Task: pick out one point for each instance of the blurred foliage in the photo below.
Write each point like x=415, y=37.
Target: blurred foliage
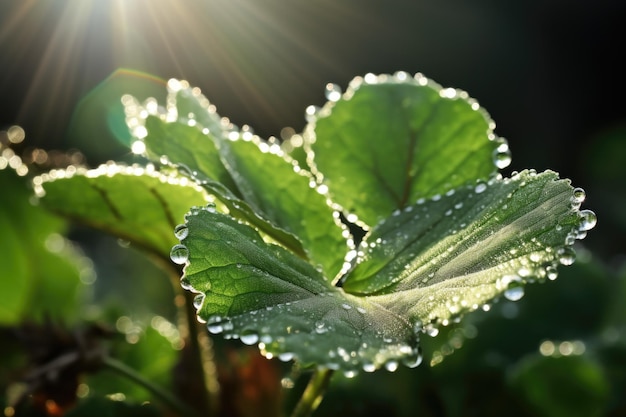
x=41, y=269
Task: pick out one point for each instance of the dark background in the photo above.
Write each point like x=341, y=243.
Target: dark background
x=549, y=72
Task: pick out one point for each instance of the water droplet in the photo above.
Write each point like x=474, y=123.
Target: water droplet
x=448, y=93
x=578, y=197
x=179, y=254
x=431, y=330
x=502, y=156
x=514, y=293
x=346, y=306
x=138, y=147
x=413, y=360
x=185, y=284
x=369, y=367
x=350, y=374
x=480, y=187
x=332, y=92
x=391, y=366
x=418, y=327
x=551, y=272
x=287, y=383
x=454, y=308
x=588, y=220
x=215, y=325
x=311, y=113
x=567, y=255
x=505, y=281
x=320, y=327
x=181, y=231
x=198, y=300
x=249, y=337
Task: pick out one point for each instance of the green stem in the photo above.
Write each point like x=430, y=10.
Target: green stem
x=202, y=348
x=313, y=393
x=200, y=360
x=164, y=396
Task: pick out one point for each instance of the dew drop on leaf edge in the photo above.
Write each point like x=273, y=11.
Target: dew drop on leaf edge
x=181, y=231
x=588, y=220
x=249, y=338
x=567, y=255
x=179, y=254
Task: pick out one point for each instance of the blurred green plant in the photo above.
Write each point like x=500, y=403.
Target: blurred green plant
x=336, y=249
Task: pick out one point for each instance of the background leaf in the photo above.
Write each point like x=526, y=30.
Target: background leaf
x=184, y=144
x=391, y=140
x=135, y=204
x=28, y=289
x=560, y=387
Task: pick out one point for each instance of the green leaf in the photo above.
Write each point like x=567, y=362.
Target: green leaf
x=32, y=290
x=152, y=352
x=451, y=254
x=193, y=108
x=136, y=204
x=264, y=294
x=263, y=188
x=196, y=154
x=391, y=140
x=272, y=186
x=568, y=386
x=187, y=145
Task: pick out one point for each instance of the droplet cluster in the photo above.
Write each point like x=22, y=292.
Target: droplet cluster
x=111, y=169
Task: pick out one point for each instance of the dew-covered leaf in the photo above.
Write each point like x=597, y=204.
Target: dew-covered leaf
x=455, y=252
x=193, y=108
x=271, y=185
x=196, y=154
x=187, y=145
x=390, y=140
x=252, y=177
x=265, y=295
x=135, y=204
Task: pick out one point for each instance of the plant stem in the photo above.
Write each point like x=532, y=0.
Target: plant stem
x=200, y=359
x=202, y=350
x=159, y=392
x=313, y=393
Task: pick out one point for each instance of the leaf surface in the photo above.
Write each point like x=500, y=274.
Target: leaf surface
x=261, y=187
x=135, y=204
x=453, y=253
x=187, y=145
x=389, y=141
x=272, y=186
x=264, y=294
